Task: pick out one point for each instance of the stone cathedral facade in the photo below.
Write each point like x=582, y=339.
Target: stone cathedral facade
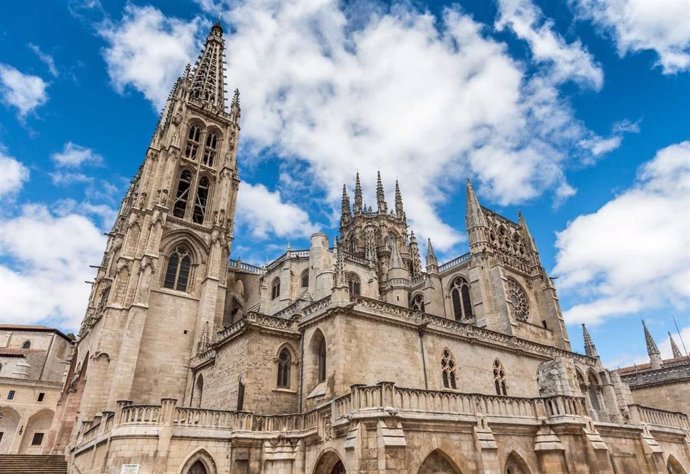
x=349, y=356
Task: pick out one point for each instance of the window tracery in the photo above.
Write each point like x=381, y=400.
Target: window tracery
x=519, y=299
x=284, y=363
x=462, y=302
x=201, y=200
x=354, y=284
x=193, y=138
x=210, y=149
x=417, y=302
x=182, y=195
x=448, y=370
x=500, y=378
x=179, y=266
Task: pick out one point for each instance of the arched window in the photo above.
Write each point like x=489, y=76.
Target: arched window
x=200, y=202
x=520, y=301
x=593, y=391
x=417, y=302
x=179, y=265
x=198, y=392
x=275, y=288
x=305, y=279
x=284, y=363
x=322, y=360
x=26, y=345
x=448, y=370
x=500, y=378
x=460, y=296
x=192, y=142
x=197, y=468
x=210, y=149
x=182, y=195
x=354, y=284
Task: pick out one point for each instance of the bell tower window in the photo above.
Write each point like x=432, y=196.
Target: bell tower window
x=201, y=200
x=210, y=149
x=192, y=142
x=462, y=303
x=179, y=266
x=182, y=195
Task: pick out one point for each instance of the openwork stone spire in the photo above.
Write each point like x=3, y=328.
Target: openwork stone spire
x=339, y=279
x=380, y=198
x=431, y=261
x=590, y=349
x=416, y=258
x=208, y=76
x=358, y=195
x=674, y=348
x=652, y=349
x=399, y=211
x=345, y=211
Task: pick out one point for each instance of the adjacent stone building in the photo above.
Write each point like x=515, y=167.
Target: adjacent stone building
x=348, y=356
x=33, y=364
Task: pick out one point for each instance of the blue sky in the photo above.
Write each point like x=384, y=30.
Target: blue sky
x=574, y=112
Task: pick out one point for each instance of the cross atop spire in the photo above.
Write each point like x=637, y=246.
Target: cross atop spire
x=358, y=195
x=674, y=348
x=590, y=349
x=208, y=81
x=380, y=198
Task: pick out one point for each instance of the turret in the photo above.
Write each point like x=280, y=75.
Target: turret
x=674, y=348
x=652, y=349
x=590, y=349
x=398, y=277
x=380, y=198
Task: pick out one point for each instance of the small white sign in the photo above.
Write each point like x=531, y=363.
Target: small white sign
x=130, y=469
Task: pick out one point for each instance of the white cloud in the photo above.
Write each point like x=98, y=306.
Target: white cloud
x=13, y=174
x=265, y=213
x=73, y=156
x=632, y=254
x=23, y=91
x=44, y=263
x=45, y=58
x=638, y=25
x=148, y=51
x=567, y=61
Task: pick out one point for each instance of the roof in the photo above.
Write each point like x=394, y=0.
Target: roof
x=665, y=364
x=34, y=328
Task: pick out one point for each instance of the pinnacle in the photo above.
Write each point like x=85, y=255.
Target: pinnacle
x=590, y=349
x=652, y=348
x=674, y=348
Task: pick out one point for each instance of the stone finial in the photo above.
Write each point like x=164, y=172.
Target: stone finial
x=674, y=348
x=590, y=348
x=652, y=349
x=358, y=195
x=345, y=211
x=399, y=211
x=431, y=261
x=380, y=198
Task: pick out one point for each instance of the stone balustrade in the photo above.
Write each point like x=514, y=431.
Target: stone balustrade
x=457, y=261
x=140, y=415
x=654, y=416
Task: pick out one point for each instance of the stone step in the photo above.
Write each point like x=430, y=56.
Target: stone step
x=32, y=463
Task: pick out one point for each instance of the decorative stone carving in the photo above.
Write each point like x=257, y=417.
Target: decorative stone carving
x=519, y=299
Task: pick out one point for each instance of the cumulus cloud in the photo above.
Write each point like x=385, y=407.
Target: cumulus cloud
x=266, y=214
x=73, y=156
x=632, y=253
x=567, y=61
x=13, y=174
x=25, y=92
x=639, y=25
x=44, y=261
x=45, y=58
x=148, y=51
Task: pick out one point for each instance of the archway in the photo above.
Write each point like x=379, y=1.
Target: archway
x=329, y=463
x=438, y=463
x=8, y=427
x=200, y=462
x=516, y=465
x=674, y=466
x=35, y=432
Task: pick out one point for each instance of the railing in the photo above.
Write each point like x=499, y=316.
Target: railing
x=561, y=405
x=140, y=414
x=244, y=267
x=240, y=421
x=654, y=416
x=287, y=255
x=457, y=261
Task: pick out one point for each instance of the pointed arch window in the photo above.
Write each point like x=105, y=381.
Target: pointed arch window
x=500, y=378
x=448, y=370
x=193, y=138
x=179, y=266
x=210, y=149
x=417, y=302
x=305, y=279
x=284, y=363
x=322, y=360
x=354, y=283
x=275, y=288
x=460, y=297
x=182, y=195
x=201, y=200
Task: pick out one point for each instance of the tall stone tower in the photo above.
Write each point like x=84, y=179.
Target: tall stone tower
x=160, y=288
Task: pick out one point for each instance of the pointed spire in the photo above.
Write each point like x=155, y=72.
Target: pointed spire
x=399, y=211
x=674, y=348
x=208, y=81
x=380, y=198
x=431, y=261
x=396, y=261
x=526, y=233
x=345, y=211
x=235, y=106
x=474, y=216
x=652, y=349
x=358, y=195
x=416, y=258
x=339, y=279
x=590, y=349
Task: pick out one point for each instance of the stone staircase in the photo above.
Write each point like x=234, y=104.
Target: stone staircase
x=32, y=463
